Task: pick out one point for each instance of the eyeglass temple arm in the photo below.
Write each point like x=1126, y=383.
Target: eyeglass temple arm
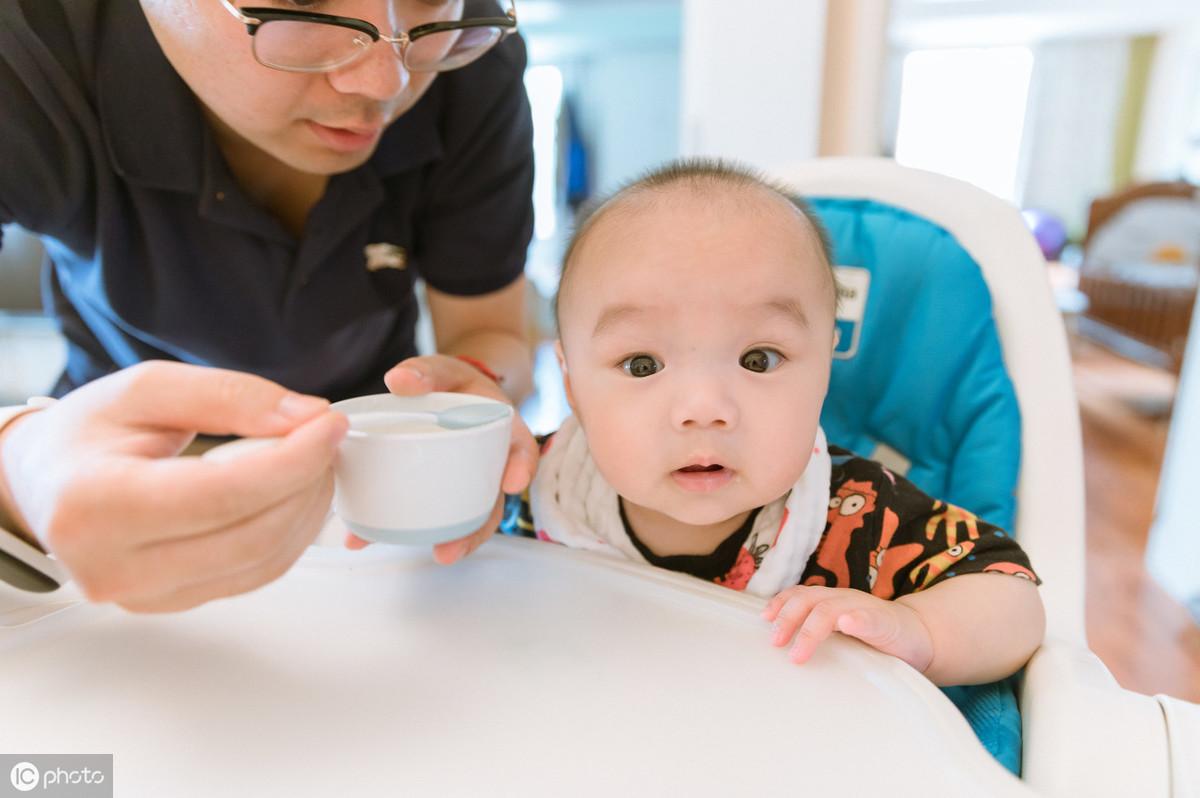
x=237, y=13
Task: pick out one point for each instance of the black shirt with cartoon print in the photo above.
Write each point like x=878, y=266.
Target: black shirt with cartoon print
x=883, y=535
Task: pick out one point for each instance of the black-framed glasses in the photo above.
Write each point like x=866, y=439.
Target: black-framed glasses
x=446, y=35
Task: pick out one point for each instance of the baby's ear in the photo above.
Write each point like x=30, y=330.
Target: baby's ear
x=566, y=378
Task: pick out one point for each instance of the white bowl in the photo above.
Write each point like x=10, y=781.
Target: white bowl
x=418, y=487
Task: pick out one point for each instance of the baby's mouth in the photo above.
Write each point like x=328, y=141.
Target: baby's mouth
x=702, y=478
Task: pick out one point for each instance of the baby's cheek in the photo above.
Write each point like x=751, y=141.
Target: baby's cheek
x=619, y=455
x=782, y=460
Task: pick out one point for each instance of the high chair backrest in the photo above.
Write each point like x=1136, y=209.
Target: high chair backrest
x=952, y=361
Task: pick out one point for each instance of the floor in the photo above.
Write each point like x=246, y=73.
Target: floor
x=1148, y=640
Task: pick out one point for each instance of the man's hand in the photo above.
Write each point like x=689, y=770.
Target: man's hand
x=421, y=375
x=96, y=481
x=812, y=613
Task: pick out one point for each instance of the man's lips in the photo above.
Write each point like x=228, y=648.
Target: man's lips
x=345, y=139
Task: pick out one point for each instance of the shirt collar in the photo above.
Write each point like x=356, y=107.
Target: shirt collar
x=414, y=139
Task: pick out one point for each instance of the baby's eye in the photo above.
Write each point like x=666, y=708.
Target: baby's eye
x=641, y=366
x=761, y=360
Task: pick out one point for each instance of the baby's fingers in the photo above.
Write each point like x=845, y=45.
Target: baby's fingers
x=776, y=603
x=789, y=609
x=871, y=627
x=821, y=622
x=893, y=629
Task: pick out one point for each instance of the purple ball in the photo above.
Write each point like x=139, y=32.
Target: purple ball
x=1048, y=230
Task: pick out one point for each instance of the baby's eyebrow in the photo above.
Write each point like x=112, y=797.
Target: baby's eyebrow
x=789, y=308
x=615, y=314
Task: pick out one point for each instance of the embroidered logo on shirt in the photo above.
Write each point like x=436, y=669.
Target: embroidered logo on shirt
x=385, y=256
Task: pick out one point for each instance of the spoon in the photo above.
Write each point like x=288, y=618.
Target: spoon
x=460, y=417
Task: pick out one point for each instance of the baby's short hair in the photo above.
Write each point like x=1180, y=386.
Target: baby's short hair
x=694, y=172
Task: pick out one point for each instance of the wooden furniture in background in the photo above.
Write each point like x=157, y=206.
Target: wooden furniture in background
x=1155, y=318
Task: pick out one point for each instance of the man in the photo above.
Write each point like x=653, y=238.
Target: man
x=251, y=190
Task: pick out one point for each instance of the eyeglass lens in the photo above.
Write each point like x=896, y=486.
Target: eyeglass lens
x=316, y=46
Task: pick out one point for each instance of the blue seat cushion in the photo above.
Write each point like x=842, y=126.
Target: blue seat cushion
x=919, y=368
x=922, y=370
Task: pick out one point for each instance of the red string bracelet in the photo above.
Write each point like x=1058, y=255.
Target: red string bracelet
x=482, y=367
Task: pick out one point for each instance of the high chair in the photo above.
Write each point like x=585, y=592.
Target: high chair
x=535, y=670
x=952, y=365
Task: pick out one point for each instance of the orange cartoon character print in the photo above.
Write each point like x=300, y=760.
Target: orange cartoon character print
x=884, y=563
x=924, y=574
x=951, y=519
x=848, y=510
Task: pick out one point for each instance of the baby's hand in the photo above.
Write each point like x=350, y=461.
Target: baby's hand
x=813, y=613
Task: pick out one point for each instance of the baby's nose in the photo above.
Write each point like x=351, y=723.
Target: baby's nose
x=703, y=407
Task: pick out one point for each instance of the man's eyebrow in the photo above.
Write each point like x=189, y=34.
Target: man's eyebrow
x=615, y=314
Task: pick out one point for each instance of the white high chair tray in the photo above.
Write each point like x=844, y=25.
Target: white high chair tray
x=528, y=669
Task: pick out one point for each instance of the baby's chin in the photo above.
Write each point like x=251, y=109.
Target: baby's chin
x=711, y=517
x=703, y=510
x=693, y=513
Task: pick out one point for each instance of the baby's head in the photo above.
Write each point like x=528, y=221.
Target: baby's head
x=696, y=330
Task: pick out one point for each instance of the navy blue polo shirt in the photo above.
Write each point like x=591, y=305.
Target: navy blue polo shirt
x=155, y=251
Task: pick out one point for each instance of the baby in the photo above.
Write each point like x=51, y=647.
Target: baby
x=696, y=332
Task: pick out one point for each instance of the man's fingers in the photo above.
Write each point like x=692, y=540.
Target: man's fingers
x=452, y=551
x=419, y=375
x=179, y=396
x=162, y=499
x=355, y=543
x=408, y=379
x=522, y=459
x=180, y=563
x=300, y=535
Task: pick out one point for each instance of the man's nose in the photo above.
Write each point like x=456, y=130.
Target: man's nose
x=379, y=75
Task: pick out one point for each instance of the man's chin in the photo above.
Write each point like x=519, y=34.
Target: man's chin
x=317, y=160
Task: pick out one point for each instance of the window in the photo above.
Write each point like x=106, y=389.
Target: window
x=962, y=114
x=544, y=84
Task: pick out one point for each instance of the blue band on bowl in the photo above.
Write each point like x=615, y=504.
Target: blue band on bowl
x=418, y=537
